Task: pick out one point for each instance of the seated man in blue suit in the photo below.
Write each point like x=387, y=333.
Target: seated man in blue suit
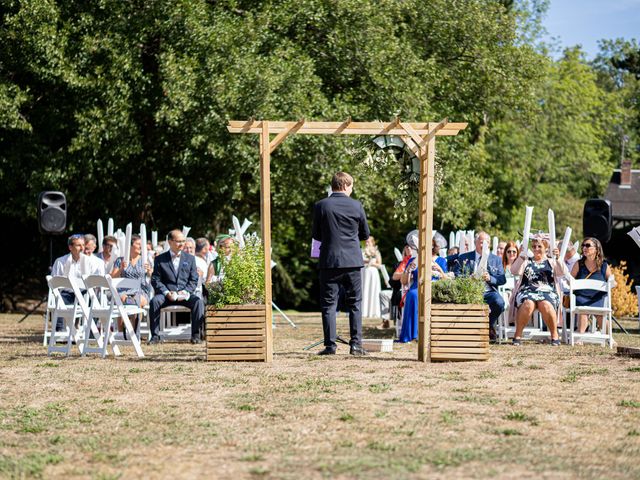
x=467, y=263
x=174, y=280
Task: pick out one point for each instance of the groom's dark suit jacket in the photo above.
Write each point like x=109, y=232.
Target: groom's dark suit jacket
x=339, y=222
x=164, y=278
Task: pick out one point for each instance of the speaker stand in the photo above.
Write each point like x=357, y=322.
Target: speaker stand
x=44, y=299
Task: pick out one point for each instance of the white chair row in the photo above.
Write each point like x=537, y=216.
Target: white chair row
x=96, y=299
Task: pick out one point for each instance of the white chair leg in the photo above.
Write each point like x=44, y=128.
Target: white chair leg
x=52, y=339
x=87, y=336
x=70, y=337
x=572, y=317
x=107, y=336
x=46, y=328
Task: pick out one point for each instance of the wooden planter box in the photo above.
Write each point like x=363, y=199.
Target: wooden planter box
x=459, y=332
x=236, y=333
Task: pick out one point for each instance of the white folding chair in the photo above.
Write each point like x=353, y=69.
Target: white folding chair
x=106, y=307
x=504, y=330
x=77, y=311
x=602, y=335
x=169, y=327
x=143, y=312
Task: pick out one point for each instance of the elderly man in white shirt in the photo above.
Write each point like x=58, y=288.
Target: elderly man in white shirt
x=202, y=263
x=90, y=247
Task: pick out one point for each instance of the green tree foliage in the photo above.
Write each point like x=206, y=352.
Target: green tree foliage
x=123, y=106
x=618, y=68
x=560, y=155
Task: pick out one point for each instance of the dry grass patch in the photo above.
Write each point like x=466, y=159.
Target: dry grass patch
x=171, y=414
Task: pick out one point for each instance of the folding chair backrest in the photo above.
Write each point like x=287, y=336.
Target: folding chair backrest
x=114, y=292
x=95, y=281
x=51, y=299
x=57, y=284
x=588, y=284
x=128, y=283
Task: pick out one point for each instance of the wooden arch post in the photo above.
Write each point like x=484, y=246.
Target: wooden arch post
x=420, y=137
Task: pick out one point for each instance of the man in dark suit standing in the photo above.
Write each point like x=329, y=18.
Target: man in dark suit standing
x=174, y=280
x=467, y=264
x=339, y=222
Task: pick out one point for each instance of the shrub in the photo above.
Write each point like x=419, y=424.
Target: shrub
x=623, y=301
x=243, y=280
x=458, y=290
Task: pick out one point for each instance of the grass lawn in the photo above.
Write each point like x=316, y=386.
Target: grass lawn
x=529, y=412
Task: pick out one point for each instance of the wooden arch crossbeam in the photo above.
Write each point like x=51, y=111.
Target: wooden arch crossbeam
x=420, y=138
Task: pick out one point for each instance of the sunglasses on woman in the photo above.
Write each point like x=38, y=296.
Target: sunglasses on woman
x=587, y=245
x=512, y=251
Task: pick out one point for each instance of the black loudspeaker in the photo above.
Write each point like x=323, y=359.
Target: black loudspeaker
x=597, y=219
x=52, y=213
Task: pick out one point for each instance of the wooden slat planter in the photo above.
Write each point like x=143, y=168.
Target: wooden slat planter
x=459, y=332
x=236, y=333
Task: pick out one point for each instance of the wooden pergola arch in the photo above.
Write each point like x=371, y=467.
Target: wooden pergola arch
x=421, y=140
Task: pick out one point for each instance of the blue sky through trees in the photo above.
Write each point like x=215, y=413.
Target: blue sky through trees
x=585, y=22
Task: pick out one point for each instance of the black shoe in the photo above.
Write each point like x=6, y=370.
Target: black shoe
x=327, y=351
x=195, y=339
x=358, y=351
x=154, y=340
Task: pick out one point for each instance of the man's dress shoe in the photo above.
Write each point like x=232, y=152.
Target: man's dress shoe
x=358, y=351
x=327, y=351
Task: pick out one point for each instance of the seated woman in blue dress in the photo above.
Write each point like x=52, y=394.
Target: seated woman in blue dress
x=137, y=268
x=409, y=278
x=538, y=288
x=592, y=266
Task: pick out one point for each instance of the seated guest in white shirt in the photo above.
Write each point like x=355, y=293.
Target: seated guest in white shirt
x=90, y=247
x=571, y=256
x=90, y=243
x=74, y=265
x=106, y=255
x=189, y=246
x=202, y=264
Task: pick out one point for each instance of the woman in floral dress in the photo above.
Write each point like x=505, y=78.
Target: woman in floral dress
x=538, y=288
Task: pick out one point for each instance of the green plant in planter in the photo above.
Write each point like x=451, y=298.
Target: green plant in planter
x=243, y=279
x=462, y=290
